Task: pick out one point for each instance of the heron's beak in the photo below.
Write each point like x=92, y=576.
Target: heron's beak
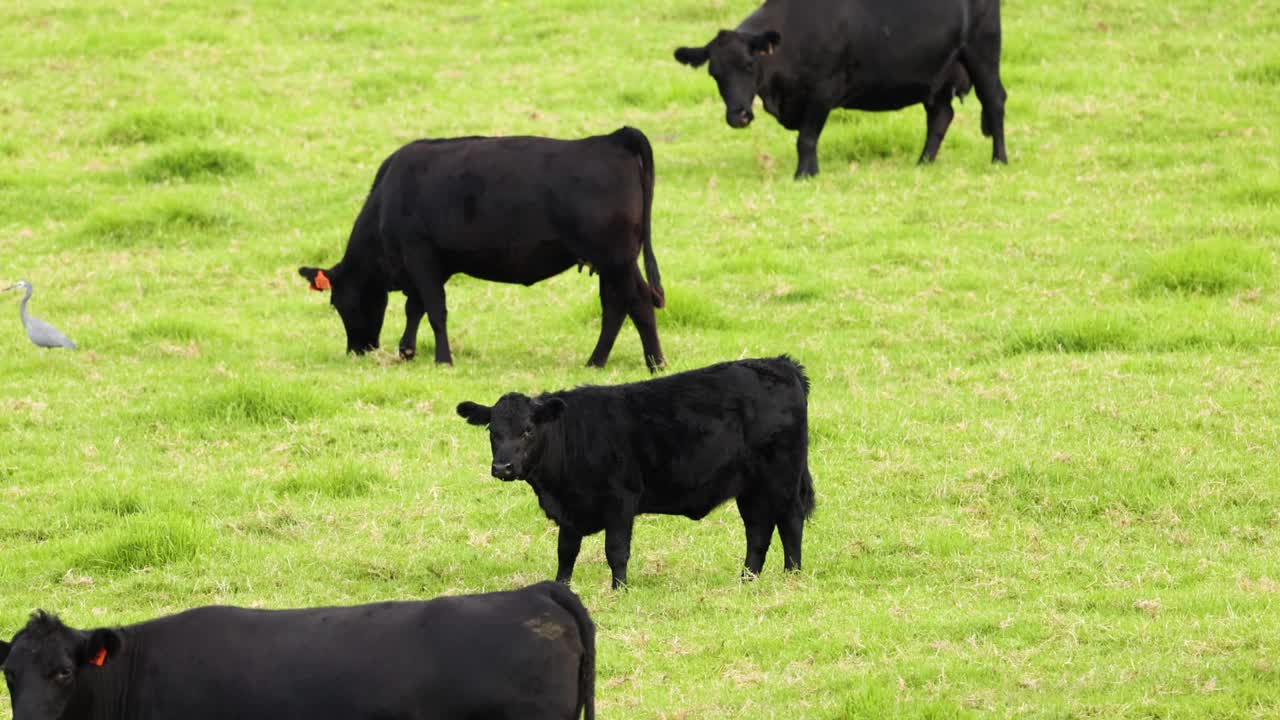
x=11, y=287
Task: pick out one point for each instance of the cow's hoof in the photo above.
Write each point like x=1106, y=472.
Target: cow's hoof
x=408, y=353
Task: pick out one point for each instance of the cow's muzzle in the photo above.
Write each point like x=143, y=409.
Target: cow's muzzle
x=739, y=118
x=503, y=471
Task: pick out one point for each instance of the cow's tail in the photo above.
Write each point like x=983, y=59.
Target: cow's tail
x=805, y=499
x=565, y=598
x=635, y=141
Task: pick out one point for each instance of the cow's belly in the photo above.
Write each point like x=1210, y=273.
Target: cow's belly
x=523, y=263
x=695, y=486
x=887, y=98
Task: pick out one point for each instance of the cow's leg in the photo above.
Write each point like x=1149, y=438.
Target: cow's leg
x=617, y=549
x=791, y=530
x=413, y=310
x=567, y=549
x=646, y=322
x=614, y=300
x=939, y=115
x=759, y=522
x=807, y=141
x=982, y=60
x=420, y=263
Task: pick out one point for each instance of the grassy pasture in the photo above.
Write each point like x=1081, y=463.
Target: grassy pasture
x=1045, y=415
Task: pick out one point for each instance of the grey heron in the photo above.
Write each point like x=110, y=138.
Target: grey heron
x=41, y=333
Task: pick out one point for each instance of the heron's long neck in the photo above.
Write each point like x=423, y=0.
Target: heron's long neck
x=23, y=311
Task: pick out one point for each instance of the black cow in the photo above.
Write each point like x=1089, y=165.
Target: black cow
x=807, y=57
x=681, y=445
x=529, y=653
x=513, y=210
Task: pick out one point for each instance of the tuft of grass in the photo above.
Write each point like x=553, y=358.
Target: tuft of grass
x=176, y=329
x=166, y=222
x=151, y=126
x=334, y=480
x=1210, y=267
x=876, y=700
x=1267, y=73
x=280, y=524
x=146, y=542
x=689, y=309
x=193, y=163
x=1076, y=334
x=257, y=402
x=113, y=501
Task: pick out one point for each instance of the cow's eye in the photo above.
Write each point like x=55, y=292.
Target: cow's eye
x=528, y=433
x=62, y=673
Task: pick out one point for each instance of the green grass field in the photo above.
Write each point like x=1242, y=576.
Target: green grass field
x=1045, y=410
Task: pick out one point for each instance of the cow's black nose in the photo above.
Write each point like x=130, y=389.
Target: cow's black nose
x=501, y=470
x=741, y=118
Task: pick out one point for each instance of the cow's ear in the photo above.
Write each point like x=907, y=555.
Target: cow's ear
x=100, y=647
x=316, y=277
x=693, y=57
x=764, y=43
x=547, y=410
x=4, y=651
x=474, y=413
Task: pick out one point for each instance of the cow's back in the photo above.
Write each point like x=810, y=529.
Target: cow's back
x=691, y=440
x=864, y=54
x=451, y=657
x=516, y=208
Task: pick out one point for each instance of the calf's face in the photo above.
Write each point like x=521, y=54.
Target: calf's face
x=516, y=426
x=733, y=58
x=361, y=305
x=46, y=662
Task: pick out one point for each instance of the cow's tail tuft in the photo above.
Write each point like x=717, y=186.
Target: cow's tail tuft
x=565, y=598
x=806, y=499
x=636, y=142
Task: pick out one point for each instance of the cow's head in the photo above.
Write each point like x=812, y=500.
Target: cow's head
x=48, y=660
x=517, y=425
x=360, y=302
x=733, y=59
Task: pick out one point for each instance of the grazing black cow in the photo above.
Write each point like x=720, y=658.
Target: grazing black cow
x=513, y=210
x=681, y=445
x=805, y=58
x=528, y=653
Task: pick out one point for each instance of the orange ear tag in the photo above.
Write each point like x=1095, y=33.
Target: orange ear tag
x=321, y=282
x=99, y=658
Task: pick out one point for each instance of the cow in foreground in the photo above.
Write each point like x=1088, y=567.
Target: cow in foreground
x=598, y=456
x=512, y=210
x=805, y=58
x=528, y=653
